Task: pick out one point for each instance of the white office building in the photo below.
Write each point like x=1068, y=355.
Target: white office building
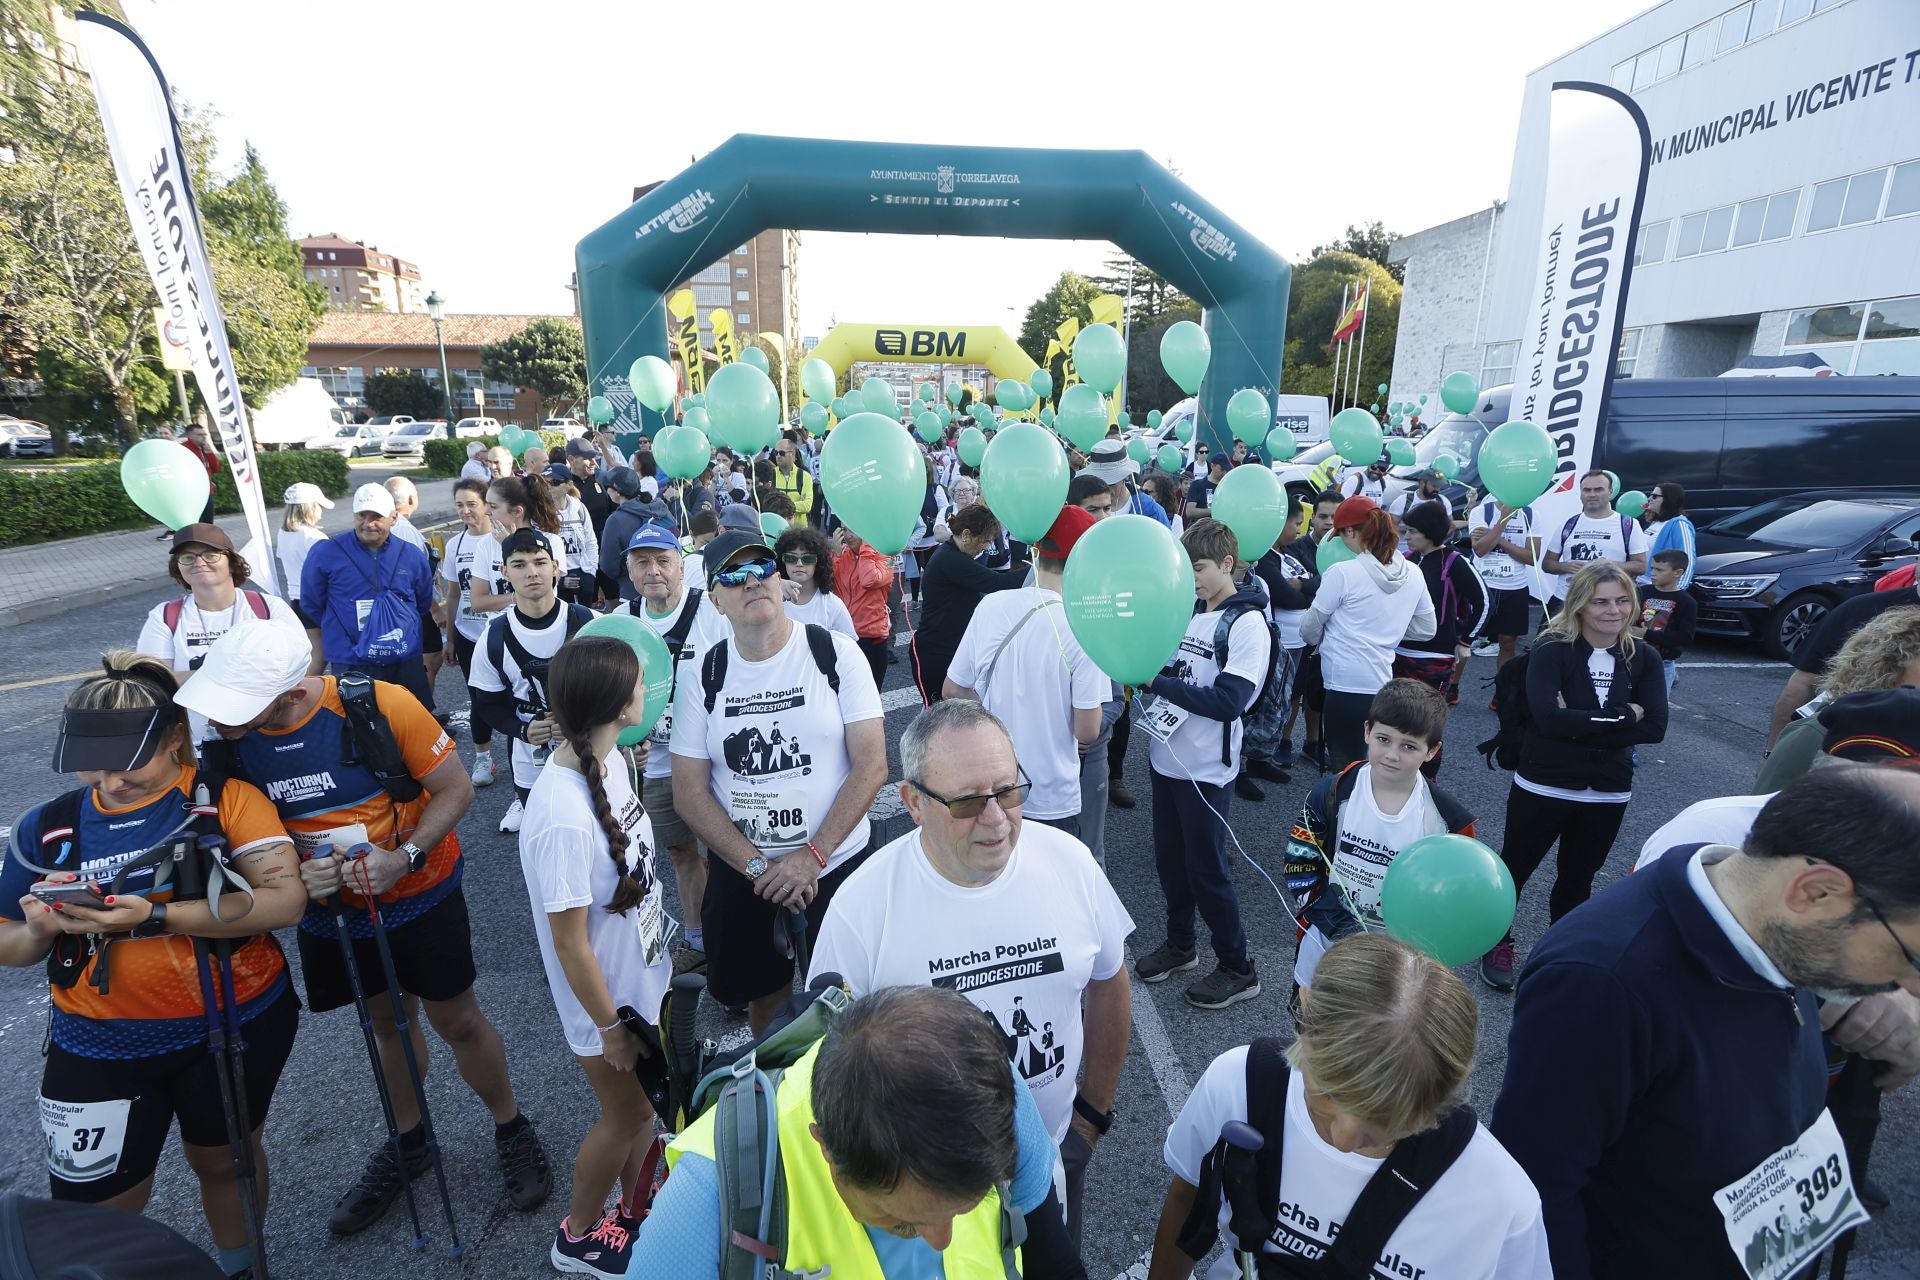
x=1783, y=200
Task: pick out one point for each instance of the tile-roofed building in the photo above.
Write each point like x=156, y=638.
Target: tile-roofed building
x=348, y=347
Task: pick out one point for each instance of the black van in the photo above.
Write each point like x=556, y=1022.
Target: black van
x=1730, y=442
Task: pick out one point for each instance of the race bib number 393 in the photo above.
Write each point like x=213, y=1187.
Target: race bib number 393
x=1800, y=1199
x=84, y=1139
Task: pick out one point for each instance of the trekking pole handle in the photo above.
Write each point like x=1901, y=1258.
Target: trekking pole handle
x=1237, y=1133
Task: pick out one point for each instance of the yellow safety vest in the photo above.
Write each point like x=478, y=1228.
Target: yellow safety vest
x=801, y=490
x=820, y=1231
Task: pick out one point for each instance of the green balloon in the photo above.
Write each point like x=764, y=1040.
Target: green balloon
x=1447, y=465
x=872, y=473
x=1153, y=419
x=1423, y=399
x=955, y=394
x=972, y=446
x=1631, y=503
x=744, y=407
x=1012, y=395
x=1333, y=549
x=698, y=419
x=1374, y=409
x=1100, y=356
x=683, y=452
x=166, y=480
x=1128, y=593
x=1459, y=392
x=757, y=358
x=1250, y=502
x=1023, y=479
x=1448, y=895
x=1138, y=450
x=772, y=525
x=1082, y=417
x=1281, y=445
x=697, y=400
x=1248, y=415
x=923, y=392
x=1616, y=486
x=599, y=409
x=1169, y=459
x=1380, y=390
x=1184, y=354
x=813, y=416
x=945, y=415
x=1042, y=383
x=1183, y=430
x=1356, y=435
x=653, y=382
x=1046, y=417
x=927, y=426
x=876, y=396
x=1517, y=463
x=817, y=380
x=1401, y=451
x=843, y=407
x=656, y=667
x=686, y=403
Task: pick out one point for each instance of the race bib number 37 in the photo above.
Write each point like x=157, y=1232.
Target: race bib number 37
x=1800, y=1199
x=84, y=1139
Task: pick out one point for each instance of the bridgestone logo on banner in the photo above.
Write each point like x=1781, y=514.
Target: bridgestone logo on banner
x=1596, y=181
x=144, y=138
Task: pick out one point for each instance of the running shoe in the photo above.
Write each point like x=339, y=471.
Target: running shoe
x=1223, y=987
x=1487, y=649
x=1283, y=755
x=1269, y=770
x=483, y=769
x=510, y=824
x=523, y=1163
x=1496, y=967
x=379, y=1186
x=1120, y=794
x=605, y=1251
x=1247, y=789
x=1163, y=962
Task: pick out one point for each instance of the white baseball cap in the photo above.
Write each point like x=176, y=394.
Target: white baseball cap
x=245, y=670
x=373, y=497
x=306, y=491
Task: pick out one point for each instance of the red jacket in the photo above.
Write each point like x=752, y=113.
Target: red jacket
x=863, y=578
x=210, y=459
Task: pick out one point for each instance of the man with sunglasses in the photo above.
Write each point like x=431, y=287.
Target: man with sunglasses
x=779, y=746
x=792, y=479
x=1370, y=483
x=1016, y=918
x=1666, y=1084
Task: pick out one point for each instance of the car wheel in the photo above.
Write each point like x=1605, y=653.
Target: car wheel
x=1795, y=620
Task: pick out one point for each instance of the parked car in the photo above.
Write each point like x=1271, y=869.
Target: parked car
x=410, y=441
x=474, y=428
x=568, y=427
x=388, y=423
x=23, y=438
x=1770, y=573
x=356, y=440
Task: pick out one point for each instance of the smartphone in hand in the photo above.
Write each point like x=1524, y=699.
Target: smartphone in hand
x=71, y=893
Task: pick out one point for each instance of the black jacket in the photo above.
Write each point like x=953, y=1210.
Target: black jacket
x=1585, y=744
x=952, y=587
x=1460, y=601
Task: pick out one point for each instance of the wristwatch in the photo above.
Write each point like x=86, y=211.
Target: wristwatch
x=756, y=866
x=154, y=925
x=416, y=857
x=1100, y=1120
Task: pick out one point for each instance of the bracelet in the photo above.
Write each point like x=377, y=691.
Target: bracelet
x=1100, y=1120
x=818, y=856
x=610, y=1026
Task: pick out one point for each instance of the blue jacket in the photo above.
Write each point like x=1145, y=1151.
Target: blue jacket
x=1676, y=534
x=340, y=573
x=1648, y=1067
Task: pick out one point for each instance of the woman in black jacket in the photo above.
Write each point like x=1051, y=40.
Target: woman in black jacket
x=1592, y=696
x=1460, y=609
x=955, y=581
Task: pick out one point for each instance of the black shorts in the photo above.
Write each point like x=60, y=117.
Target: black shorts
x=1510, y=613
x=182, y=1083
x=1307, y=685
x=743, y=961
x=301, y=614
x=432, y=957
x=431, y=641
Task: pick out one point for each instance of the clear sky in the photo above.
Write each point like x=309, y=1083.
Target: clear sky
x=482, y=139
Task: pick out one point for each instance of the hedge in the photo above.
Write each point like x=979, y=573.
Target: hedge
x=66, y=502
x=446, y=457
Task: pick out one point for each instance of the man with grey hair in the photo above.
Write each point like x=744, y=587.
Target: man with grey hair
x=499, y=462
x=1016, y=916
x=475, y=467
x=406, y=501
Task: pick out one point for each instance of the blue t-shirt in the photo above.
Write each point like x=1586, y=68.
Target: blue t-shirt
x=680, y=1240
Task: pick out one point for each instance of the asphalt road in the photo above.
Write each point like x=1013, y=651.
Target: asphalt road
x=325, y=1118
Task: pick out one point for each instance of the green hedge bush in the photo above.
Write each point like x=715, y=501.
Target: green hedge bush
x=446, y=457
x=70, y=501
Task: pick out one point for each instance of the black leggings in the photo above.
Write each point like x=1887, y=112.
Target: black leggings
x=476, y=723
x=1344, y=726
x=1585, y=831
x=875, y=647
x=1122, y=734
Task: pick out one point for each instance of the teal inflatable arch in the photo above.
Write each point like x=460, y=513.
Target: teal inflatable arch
x=752, y=182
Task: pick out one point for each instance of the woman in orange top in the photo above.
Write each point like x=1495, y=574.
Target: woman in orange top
x=127, y=1052
x=863, y=577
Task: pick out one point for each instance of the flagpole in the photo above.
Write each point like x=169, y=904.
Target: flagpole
x=1366, y=305
x=1339, y=348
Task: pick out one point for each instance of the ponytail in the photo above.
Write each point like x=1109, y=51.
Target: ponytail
x=585, y=685
x=534, y=497
x=1379, y=535
x=626, y=894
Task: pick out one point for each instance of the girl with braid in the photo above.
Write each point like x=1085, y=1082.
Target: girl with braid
x=586, y=852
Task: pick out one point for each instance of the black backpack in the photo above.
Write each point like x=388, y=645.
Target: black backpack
x=500, y=639
x=59, y=1240
x=713, y=668
x=675, y=636
x=1510, y=702
x=1231, y=613
x=1396, y=1187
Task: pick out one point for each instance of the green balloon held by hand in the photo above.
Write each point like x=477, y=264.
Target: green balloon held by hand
x=1183, y=430
x=872, y=473
x=1517, y=462
x=656, y=667
x=653, y=382
x=1082, y=416
x=1449, y=895
x=1631, y=503
x=1281, y=445
x=955, y=393
x=817, y=380
x=1128, y=594
x=1333, y=549
x=1250, y=502
x=599, y=410
x=972, y=446
x=1023, y=480
x=1100, y=356
x=1184, y=353
x=1042, y=383
x=1459, y=392
x=1248, y=416
x=1356, y=435
x=813, y=416
x=1138, y=450
x=1153, y=419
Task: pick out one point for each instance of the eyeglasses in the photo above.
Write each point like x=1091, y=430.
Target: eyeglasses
x=186, y=559
x=751, y=571
x=800, y=558
x=969, y=807
x=1884, y=924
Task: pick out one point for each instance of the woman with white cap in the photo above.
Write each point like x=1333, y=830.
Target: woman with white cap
x=300, y=522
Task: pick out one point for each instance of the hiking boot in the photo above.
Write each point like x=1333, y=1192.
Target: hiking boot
x=1283, y=756
x=1120, y=795
x=510, y=824
x=604, y=1251
x=1268, y=771
x=1496, y=967
x=1244, y=787
x=523, y=1163
x=1158, y=965
x=1223, y=987
x=378, y=1188
x=483, y=769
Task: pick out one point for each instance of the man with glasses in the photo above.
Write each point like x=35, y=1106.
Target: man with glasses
x=779, y=746
x=1666, y=1083
x=1370, y=483
x=1018, y=919
x=792, y=479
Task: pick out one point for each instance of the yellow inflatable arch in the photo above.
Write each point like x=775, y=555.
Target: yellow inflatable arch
x=984, y=344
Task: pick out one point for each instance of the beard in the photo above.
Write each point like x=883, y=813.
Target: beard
x=1814, y=957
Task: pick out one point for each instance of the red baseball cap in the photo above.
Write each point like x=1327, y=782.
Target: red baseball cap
x=1057, y=542
x=1353, y=512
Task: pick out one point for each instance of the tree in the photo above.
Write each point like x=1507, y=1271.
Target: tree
x=403, y=391
x=1070, y=296
x=1313, y=308
x=1148, y=386
x=1371, y=241
x=1153, y=297
x=548, y=357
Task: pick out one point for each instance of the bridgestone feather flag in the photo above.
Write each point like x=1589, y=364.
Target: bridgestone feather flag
x=144, y=138
x=1570, y=331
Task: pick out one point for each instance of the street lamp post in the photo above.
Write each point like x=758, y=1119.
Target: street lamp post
x=436, y=308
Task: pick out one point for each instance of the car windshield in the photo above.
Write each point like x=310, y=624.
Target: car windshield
x=348, y=431
x=1458, y=435
x=1795, y=522
x=417, y=429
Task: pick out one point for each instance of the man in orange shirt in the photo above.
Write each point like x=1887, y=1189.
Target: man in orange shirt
x=395, y=836
x=199, y=442
x=863, y=577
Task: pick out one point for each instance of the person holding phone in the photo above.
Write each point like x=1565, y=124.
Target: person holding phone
x=126, y=1058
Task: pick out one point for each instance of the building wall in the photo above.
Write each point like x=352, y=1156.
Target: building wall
x=1442, y=308
x=765, y=270
x=343, y=371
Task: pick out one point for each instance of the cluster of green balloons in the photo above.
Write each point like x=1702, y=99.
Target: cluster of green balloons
x=517, y=439
x=1185, y=352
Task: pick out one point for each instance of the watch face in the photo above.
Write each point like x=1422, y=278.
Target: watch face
x=756, y=867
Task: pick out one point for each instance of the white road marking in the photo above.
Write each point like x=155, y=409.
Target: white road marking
x=894, y=699
x=1158, y=1046
x=1138, y=1271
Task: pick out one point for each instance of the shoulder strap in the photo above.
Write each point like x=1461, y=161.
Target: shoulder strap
x=497, y=643
x=746, y=1150
x=578, y=616
x=820, y=641
x=370, y=739
x=1267, y=1080
x=257, y=601
x=1626, y=533
x=1398, y=1185
x=1343, y=784
x=676, y=635
x=171, y=613
x=713, y=672
x=986, y=674
x=59, y=820
x=1566, y=530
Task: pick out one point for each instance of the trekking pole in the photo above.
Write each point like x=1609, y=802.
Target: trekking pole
x=1239, y=1181
x=226, y=1047
x=414, y=1076
x=361, y=1007
x=790, y=938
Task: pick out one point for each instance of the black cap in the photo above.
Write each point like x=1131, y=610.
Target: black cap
x=624, y=481
x=728, y=546
x=1876, y=726
x=523, y=540
x=115, y=741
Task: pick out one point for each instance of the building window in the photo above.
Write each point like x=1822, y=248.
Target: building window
x=1765, y=218
x=741, y=252
x=1861, y=338
x=1794, y=10
x=743, y=317
x=1629, y=354
x=1846, y=202
x=740, y=295
x=1781, y=212
x=1623, y=74
x=741, y=272
x=1692, y=227
x=1903, y=197
x=1652, y=244
x=1699, y=46
x=1496, y=364
x=1733, y=27
x=1669, y=57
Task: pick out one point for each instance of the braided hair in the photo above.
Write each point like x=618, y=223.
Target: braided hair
x=583, y=674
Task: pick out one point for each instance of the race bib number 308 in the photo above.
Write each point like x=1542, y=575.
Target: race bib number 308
x=84, y=1139
x=1800, y=1199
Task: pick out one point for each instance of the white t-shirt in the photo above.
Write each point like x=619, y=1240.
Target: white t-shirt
x=540, y=641
x=1358, y=484
x=185, y=647
x=403, y=529
x=707, y=629
x=1593, y=539
x=825, y=610
x=291, y=548
x=1287, y=621
x=1039, y=676
x=1368, y=841
x=464, y=549
x=1023, y=948
x=1479, y=1221
x=486, y=567
x=476, y=469
x=777, y=743
x=577, y=540
x=1500, y=571
x=1192, y=749
x=564, y=860
x=1721, y=820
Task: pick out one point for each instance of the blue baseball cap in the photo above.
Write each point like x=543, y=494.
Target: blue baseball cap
x=653, y=537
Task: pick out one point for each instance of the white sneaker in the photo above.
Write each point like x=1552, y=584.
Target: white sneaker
x=511, y=823
x=483, y=769
x=1487, y=649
